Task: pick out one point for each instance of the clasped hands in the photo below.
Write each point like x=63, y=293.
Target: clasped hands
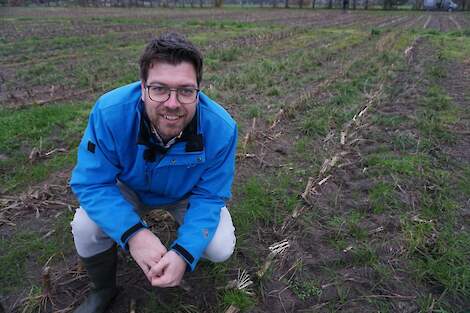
x=161, y=267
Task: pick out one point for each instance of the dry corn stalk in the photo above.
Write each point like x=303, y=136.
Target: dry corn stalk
x=306, y=193
x=343, y=137
x=310, y=189
x=277, y=118
x=232, y=309
x=276, y=249
x=249, y=134
x=279, y=247
x=329, y=163
x=46, y=280
x=244, y=281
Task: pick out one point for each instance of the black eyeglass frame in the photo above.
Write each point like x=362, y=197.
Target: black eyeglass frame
x=175, y=90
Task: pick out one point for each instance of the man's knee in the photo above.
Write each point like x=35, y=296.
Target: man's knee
x=82, y=225
x=88, y=237
x=223, y=243
x=220, y=252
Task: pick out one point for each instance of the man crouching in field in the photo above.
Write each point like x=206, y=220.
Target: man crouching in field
x=159, y=143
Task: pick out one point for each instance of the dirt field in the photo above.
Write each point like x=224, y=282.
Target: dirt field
x=353, y=164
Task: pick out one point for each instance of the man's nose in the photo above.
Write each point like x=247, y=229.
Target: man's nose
x=172, y=101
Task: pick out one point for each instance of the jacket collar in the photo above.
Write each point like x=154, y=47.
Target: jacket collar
x=194, y=141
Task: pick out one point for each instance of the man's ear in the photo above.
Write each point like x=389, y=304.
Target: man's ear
x=142, y=87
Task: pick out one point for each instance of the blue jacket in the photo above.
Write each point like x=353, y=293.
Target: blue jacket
x=117, y=145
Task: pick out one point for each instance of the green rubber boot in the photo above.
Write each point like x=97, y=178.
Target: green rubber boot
x=101, y=270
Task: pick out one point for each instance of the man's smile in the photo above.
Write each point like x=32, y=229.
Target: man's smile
x=172, y=117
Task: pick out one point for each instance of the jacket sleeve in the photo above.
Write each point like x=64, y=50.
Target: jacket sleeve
x=94, y=182
x=205, y=203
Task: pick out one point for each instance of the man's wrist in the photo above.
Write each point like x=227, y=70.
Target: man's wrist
x=131, y=232
x=188, y=265
x=135, y=237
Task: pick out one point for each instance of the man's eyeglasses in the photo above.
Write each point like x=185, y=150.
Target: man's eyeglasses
x=184, y=95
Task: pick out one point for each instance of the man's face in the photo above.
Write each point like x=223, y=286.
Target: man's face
x=170, y=117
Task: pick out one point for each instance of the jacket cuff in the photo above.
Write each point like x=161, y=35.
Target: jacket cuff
x=188, y=257
x=131, y=232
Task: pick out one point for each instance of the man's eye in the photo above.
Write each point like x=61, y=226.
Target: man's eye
x=159, y=90
x=186, y=91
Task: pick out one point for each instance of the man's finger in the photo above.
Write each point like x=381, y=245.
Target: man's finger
x=161, y=281
x=158, y=269
x=148, y=267
x=145, y=268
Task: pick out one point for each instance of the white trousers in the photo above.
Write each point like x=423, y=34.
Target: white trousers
x=90, y=239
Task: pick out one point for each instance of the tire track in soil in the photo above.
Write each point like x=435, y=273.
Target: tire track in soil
x=434, y=23
x=442, y=22
x=463, y=20
x=446, y=24
x=457, y=153
x=320, y=20
x=408, y=23
x=456, y=84
x=394, y=21
x=454, y=21
x=428, y=20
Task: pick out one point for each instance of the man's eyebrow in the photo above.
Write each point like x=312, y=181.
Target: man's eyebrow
x=156, y=83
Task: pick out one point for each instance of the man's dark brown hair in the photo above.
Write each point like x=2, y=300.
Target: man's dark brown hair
x=171, y=48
